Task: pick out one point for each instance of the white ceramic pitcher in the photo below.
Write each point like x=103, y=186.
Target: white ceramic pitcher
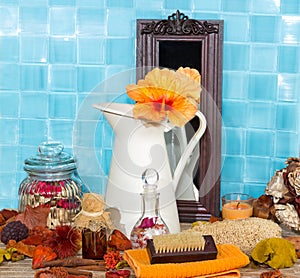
x=140, y=145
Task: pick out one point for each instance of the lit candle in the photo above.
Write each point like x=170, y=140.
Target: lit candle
x=237, y=210
x=236, y=206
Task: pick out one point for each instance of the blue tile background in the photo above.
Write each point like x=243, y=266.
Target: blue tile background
x=54, y=53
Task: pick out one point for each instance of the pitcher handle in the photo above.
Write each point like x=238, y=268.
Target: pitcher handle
x=189, y=148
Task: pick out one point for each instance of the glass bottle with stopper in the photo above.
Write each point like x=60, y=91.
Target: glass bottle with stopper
x=150, y=223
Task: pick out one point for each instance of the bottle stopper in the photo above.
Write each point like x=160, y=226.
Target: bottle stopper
x=150, y=178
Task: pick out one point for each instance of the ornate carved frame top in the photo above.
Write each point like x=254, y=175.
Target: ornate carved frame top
x=179, y=24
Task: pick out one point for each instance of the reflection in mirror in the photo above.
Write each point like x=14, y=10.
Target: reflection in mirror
x=180, y=41
x=174, y=54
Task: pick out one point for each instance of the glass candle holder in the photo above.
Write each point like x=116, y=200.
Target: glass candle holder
x=237, y=206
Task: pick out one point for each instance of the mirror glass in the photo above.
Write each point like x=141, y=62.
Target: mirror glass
x=174, y=54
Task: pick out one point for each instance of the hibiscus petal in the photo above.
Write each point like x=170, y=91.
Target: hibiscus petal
x=149, y=111
x=182, y=111
x=188, y=87
x=163, y=79
x=138, y=93
x=192, y=73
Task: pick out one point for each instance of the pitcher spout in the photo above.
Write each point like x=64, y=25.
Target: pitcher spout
x=114, y=110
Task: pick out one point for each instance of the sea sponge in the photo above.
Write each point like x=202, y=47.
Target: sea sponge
x=244, y=233
x=275, y=252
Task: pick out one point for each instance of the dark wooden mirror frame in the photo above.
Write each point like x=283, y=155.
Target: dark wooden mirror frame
x=179, y=28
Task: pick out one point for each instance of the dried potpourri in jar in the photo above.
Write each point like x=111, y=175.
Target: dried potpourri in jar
x=52, y=181
x=94, y=222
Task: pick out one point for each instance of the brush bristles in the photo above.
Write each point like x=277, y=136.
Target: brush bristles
x=181, y=242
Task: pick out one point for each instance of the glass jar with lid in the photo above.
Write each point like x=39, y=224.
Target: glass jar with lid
x=52, y=181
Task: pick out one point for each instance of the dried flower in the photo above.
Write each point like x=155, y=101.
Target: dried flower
x=284, y=187
x=65, y=242
x=67, y=204
x=47, y=188
x=167, y=94
x=148, y=222
x=294, y=179
x=112, y=258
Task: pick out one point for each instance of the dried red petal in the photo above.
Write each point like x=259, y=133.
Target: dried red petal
x=42, y=254
x=148, y=222
x=122, y=273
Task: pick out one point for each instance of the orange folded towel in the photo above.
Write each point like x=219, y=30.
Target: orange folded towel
x=228, y=260
x=234, y=273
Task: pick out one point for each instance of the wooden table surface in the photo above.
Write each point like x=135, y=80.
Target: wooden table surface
x=22, y=269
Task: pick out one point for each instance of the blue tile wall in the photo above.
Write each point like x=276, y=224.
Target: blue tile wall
x=236, y=56
x=33, y=18
x=262, y=87
x=260, y=28
x=265, y=7
x=263, y=58
x=237, y=6
x=9, y=49
x=55, y=52
x=288, y=85
x=62, y=50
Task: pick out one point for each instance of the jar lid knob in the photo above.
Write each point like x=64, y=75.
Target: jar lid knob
x=50, y=149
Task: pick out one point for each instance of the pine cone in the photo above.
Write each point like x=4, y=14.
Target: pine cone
x=15, y=230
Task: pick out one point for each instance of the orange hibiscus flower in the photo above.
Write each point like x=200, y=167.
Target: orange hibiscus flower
x=166, y=94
